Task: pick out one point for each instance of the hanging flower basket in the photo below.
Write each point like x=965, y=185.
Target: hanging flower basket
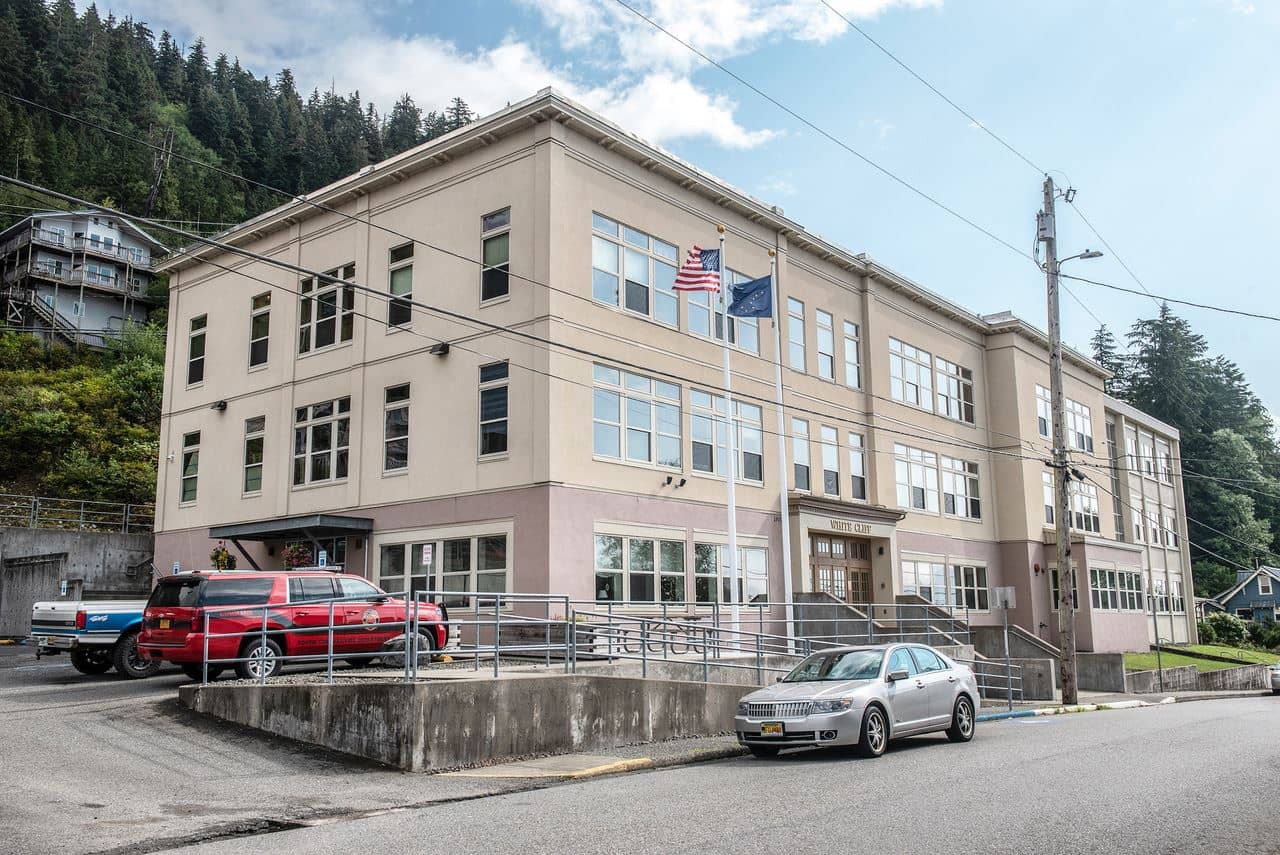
x=296, y=555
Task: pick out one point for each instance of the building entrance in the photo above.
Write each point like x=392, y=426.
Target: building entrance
x=841, y=567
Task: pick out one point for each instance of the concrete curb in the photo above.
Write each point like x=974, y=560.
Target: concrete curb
x=1119, y=705
x=632, y=765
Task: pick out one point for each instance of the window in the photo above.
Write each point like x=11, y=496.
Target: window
x=1153, y=526
x=195, y=350
x=1131, y=448
x=1264, y=585
x=969, y=587
x=639, y=569
x=395, y=430
x=495, y=251
x=744, y=333
x=927, y=579
x=1079, y=426
x=305, y=589
x=800, y=452
x=349, y=588
x=857, y=467
x=900, y=660
x=1114, y=459
x=852, y=364
x=1044, y=411
x=327, y=313
x=1135, y=507
x=830, y=461
x=1084, y=508
x=1050, y=497
x=910, y=375
x=493, y=408
x=1171, y=538
x=960, y=489
x=259, y=328
x=712, y=575
x=457, y=565
x=1164, y=460
x=321, y=442
x=1159, y=597
x=635, y=418
x=334, y=549
x=1130, y=591
x=1054, y=591
x=1105, y=589
x=795, y=334
x=254, y=437
x=647, y=266
x=1147, y=453
x=710, y=442
x=400, y=286
x=826, y=346
x=916, y=473
x=190, y=466
x=1177, y=604
x=955, y=391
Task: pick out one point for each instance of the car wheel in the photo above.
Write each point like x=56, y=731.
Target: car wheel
x=875, y=733
x=195, y=671
x=88, y=661
x=129, y=661
x=393, y=651
x=262, y=659
x=762, y=751
x=962, y=721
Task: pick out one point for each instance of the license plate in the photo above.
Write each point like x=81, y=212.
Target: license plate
x=164, y=623
x=771, y=728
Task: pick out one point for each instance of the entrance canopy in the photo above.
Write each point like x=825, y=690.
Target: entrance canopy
x=312, y=527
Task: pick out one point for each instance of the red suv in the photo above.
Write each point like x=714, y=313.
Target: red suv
x=365, y=619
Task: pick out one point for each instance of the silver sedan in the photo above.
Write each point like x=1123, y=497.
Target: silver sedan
x=862, y=696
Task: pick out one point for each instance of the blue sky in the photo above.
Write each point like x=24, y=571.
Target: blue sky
x=1164, y=117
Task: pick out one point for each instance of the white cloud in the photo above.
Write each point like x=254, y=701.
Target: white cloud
x=1241, y=7
x=778, y=185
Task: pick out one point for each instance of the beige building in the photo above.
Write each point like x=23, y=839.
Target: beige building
x=594, y=466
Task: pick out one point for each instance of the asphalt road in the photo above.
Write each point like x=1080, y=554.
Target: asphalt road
x=1185, y=778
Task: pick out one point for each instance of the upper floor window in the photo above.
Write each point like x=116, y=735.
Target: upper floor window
x=1264, y=585
x=1084, y=507
x=195, y=350
x=1164, y=460
x=495, y=251
x=1171, y=538
x=795, y=334
x=493, y=408
x=800, y=452
x=1104, y=589
x=321, y=441
x=636, y=418
x=960, y=489
x=830, y=460
x=400, y=286
x=910, y=375
x=395, y=428
x=190, y=466
x=1131, y=449
x=1044, y=411
x=1139, y=519
x=826, y=346
x=254, y=437
x=1079, y=426
x=259, y=328
x=710, y=440
x=916, y=473
x=744, y=333
x=327, y=314
x=852, y=363
x=955, y=391
x=1050, y=497
x=1147, y=453
x=857, y=467
x=636, y=270
x=1130, y=591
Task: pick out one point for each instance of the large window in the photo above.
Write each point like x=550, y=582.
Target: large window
x=1177, y=604
x=711, y=579
x=1164, y=460
x=259, y=328
x=400, y=286
x=1171, y=538
x=1054, y=590
x=641, y=569
x=321, y=442
x=327, y=312
x=795, y=334
x=1044, y=411
x=190, y=466
x=744, y=333
x=1079, y=426
x=638, y=271
x=1130, y=591
x=1113, y=457
x=635, y=418
x=1138, y=517
x=1147, y=453
x=395, y=428
x=254, y=438
x=916, y=473
x=1131, y=448
x=857, y=467
x=1105, y=589
x=852, y=361
x=826, y=346
x=1084, y=508
x=969, y=587
x=710, y=441
x=1050, y=497
x=830, y=460
x=195, y=349
x=454, y=565
x=495, y=251
x=493, y=408
x=955, y=391
x=960, y=496
x=800, y=452
x=910, y=375
x=927, y=579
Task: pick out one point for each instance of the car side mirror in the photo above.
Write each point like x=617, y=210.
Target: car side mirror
x=895, y=676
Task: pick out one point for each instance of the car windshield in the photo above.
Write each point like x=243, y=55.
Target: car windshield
x=830, y=667
x=176, y=592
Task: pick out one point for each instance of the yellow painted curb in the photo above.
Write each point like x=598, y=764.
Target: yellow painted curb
x=613, y=768
x=4, y=641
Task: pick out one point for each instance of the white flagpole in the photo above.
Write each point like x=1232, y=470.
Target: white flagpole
x=783, y=480
x=730, y=473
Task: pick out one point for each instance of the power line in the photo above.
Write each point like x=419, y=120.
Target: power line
x=1162, y=298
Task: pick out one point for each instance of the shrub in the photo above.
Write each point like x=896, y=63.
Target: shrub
x=1256, y=633
x=1205, y=629
x=1228, y=628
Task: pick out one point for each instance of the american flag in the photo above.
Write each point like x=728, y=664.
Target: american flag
x=700, y=271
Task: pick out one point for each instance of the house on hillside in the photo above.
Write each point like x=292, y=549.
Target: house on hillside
x=1255, y=595
x=78, y=277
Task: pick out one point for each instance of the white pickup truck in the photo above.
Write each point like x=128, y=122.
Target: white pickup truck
x=98, y=635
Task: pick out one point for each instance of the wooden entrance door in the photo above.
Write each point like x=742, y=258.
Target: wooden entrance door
x=841, y=567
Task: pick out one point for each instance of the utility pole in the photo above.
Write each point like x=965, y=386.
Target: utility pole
x=159, y=161
x=1047, y=234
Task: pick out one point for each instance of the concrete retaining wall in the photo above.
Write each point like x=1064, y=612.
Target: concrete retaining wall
x=1039, y=678
x=451, y=723
x=1248, y=677
x=1100, y=672
x=1180, y=679
x=989, y=641
x=1189, y=678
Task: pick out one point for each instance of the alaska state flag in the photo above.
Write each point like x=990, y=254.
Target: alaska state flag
x=752, y=299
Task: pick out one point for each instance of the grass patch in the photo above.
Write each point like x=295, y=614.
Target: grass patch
x=1250, y=657
x=1186, y=656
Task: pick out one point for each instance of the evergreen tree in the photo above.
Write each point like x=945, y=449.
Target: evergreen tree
x=1107, y=354
x=404, y=127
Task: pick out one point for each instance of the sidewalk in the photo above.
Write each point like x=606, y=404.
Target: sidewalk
x=994, y=709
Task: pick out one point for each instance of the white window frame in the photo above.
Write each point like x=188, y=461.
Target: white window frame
x=1139, y=518
x=314, y=292
x=1044, y=412
x=659, y=574
x=1147, y=453
x=1050, y=494
x=1085, y=512
x=1164, y=460
x=259, y=310
x=707, y=413
x=1130, y=585
x=852, y=355
x=915, y=572
x=255, y=437
x=659, y=258
x=829, y=439
x=493, y=384
x=1104, y=589
x=397, y=407
x=1075, y=588
x=753, y=573
x=1170, y=527
x=800, y=454
x=969, y=587
x=797, y=355
x=1131, y=448
x=629, y=393
x=197, y=340
x=337, y=454
x=916, y=469
x=954, y=384
x=858, y=484
x=744, y=333
x=1261, y=578
x=399, y=304
x=500, y=228
x=910, y=375
x=190, y=471
x=826, y=334
x=1079, y=426
x=961, y=485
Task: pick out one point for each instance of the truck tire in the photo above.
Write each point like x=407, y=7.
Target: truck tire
x=128, y=660
x=91, y=660
x=259, y=653
x=393, y=651
x=195, y=671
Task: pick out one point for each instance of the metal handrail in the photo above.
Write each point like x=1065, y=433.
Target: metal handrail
x=74, y=514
